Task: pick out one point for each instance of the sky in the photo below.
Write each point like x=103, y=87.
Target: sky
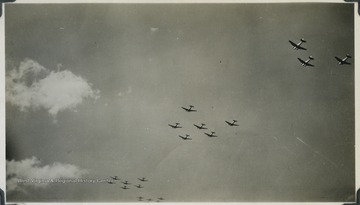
x=91, y=89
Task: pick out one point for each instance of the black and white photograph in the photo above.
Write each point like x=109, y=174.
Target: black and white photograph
x=179, y=102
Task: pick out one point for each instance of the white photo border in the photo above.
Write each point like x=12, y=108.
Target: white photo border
x=356, y=78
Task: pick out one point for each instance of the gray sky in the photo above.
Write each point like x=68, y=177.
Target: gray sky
x=99, y=84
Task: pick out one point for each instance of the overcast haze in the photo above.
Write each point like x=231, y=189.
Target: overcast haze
x=91, y=89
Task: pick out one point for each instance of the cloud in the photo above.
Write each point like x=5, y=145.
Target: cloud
x=33, y=86
x=31, y=168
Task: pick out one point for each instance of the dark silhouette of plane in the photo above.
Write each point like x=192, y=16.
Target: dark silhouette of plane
x=175, y=126
x=110, y=182
x=190, y=109
x=160, y=198
x=125, y=187
x=186, y=137
x=210, y=135
x=201, y=127
x=140, y=198
x=232, y=123
x=115, y=178
x=307, y=62
x=344, y=60
x=125, y=182
x=143, y=179
x=297, y=46
x=139, y=186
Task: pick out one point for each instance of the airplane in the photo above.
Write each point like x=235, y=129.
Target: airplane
x=306, y=63
x=343, y=61
x=210, y=135
x=115, y=178
x=175, y=126
x=201, y=127
x=110, y=182
x=140, y=198
x=160, y=198
x=139, y=186
x=186, y=137
x=190, y=109
x=125, y=187
x=298, y=45
x=125, y=182
x=232, y=123
x=143, y=179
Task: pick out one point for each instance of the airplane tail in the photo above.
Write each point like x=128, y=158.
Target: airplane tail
x=348, y=55
x=312, y=58
x=303, y=40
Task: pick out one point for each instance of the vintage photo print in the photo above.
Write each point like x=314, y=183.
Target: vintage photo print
x=170, y=102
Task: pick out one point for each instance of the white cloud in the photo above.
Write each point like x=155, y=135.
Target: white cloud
x=34, y=86
x=31, y=168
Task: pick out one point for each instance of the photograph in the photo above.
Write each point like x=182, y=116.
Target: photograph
x=179, y=102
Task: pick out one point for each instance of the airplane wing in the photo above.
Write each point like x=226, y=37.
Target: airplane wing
x=302, y=61
x=292, y=43
x=300, y=47
x=338, y=59
x=347, y=63
x=308, y=64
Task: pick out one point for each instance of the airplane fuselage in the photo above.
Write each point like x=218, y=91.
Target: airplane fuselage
x=306, y=62
x=174, y=126
x=297, y=45
x=343, y=61
x=211, y=135
x=200, y=127
x=190, y=109
x=232, y=123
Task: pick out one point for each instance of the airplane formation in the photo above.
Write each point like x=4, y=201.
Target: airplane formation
x=126, y=186
x=212, y=134
x=202, y=126
x=298, y=46
x=141, y=199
